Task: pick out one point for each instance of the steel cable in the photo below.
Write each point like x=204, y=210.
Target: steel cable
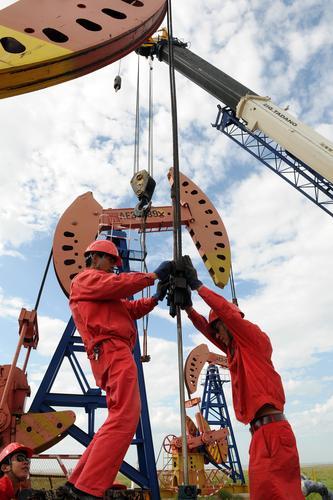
x=137, y=122
x=177, y=244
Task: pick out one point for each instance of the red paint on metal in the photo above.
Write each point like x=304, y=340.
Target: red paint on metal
x=93, y=38
x=29, y=319
x=158, y=218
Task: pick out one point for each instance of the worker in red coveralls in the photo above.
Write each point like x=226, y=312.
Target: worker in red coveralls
x=105, y=320
x=14, y=470
x=257, y=392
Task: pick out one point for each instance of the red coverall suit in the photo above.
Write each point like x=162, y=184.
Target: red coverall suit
x=274, y=470
x=104, y=319
x=6, y=489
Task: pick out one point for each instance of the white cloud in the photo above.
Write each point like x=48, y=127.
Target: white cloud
x=315, y=420
x=50, y=331
x=9, y=306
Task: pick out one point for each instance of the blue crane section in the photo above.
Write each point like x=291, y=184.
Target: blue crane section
x=310, y=183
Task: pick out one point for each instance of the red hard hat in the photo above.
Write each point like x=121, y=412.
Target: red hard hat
x=104, y=246
x=213, y=316
x=14, y=448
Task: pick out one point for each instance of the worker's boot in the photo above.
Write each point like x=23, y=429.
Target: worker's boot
x=64, y=492
x=83, y=496
x=69, y=492
x=111, y=494
x=32, y=494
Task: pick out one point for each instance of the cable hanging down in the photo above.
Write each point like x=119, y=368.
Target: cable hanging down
x=142, y=181
x=137, y=122
x=143, y=186
x=175, y=195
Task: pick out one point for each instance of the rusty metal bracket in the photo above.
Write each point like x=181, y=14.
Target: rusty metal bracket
x=215, y=441
x=29, y=319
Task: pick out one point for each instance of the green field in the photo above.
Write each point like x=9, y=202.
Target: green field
x=320, y=473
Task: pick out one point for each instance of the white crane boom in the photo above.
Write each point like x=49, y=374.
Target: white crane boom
x=260, y=113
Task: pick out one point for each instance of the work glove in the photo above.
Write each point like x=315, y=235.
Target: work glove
x=163, y=270
x=190, y=272
x=187, y=301
x=161, y=290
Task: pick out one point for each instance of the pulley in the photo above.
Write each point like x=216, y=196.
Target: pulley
x=143, y=186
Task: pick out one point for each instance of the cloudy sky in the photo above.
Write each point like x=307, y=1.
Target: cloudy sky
x=58, y=143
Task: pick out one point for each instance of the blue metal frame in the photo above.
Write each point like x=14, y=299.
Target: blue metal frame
x=91, y=398
x=315, y=187
x=215, y=410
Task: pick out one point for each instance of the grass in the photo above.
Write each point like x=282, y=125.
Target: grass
x=320, y=473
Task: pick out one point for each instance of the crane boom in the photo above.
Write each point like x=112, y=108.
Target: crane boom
x=260, y=113
x=257, y=113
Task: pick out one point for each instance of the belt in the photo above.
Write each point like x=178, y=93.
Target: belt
x=256, y=423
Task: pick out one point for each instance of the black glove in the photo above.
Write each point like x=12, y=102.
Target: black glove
x=191, y=274
x=188, y=301
x=161, y=290
x=163, y=270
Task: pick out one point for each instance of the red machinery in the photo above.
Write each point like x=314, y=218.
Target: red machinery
x=38, y=431
x=49, y=42
x=204, y=444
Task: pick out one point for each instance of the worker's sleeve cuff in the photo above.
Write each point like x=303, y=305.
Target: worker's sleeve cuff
x=151, y=277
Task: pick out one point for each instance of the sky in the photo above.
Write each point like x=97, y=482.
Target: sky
x=58, y=143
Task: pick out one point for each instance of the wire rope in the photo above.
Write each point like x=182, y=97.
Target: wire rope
x=143, y=244
x=150, y=122
x=232, y=287
x=177, y=235
x=40, y=291
x=137, y=122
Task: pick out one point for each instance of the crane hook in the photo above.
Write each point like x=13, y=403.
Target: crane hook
x=117, y=83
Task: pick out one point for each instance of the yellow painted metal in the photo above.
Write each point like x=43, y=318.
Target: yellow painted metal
x=30, y=70
x=206, y=229
x=236, y=488
x=196, y=469
x=218, y=451
x=44, y=43
x=37, y=50
x=40, y=431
